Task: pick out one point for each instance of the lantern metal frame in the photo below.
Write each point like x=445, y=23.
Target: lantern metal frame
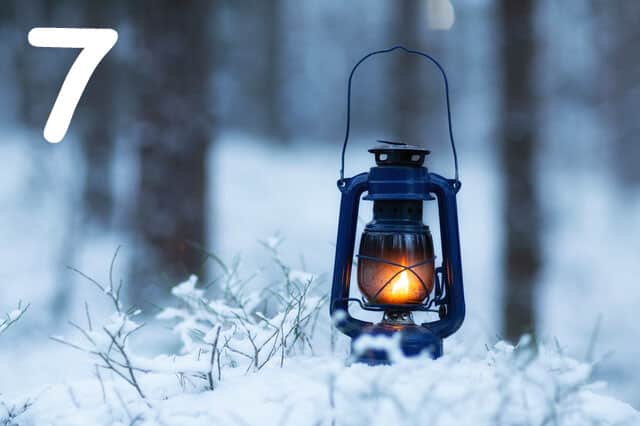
x=400, y=182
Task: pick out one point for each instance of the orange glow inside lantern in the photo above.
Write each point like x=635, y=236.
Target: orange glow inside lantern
x=395, y=268
x=400, y=287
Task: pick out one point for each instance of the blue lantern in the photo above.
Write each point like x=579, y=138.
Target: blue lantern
x=397, y=273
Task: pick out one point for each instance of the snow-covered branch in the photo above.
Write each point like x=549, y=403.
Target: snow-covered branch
x=231, y=323
x=257, y=339
x=13, y=317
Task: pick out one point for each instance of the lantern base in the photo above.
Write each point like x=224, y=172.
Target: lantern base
x=414, y=340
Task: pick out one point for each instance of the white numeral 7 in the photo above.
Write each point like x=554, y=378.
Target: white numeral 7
x=95, y=44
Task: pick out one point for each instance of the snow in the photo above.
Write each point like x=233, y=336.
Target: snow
x=255, y=368
x=187, y=288
x=506, y=386
x=15, y=314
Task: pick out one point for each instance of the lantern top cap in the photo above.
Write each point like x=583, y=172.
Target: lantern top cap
x=389, y=153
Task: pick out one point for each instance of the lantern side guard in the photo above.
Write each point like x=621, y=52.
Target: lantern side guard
x=351, y=189
x=445, y=192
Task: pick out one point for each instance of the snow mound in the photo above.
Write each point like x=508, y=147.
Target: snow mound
x=527, y=384
x=265, y=356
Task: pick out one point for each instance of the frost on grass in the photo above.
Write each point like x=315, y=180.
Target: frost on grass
x=249, y=356
x=227, y=324
x=241, y=327
x=10, y=412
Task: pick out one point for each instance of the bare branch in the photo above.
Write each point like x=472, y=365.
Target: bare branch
x=88, y=278
x=88, y=315
x=67, y=343
x=127, y=362
x=102, y=391
x=214, y=349
x=114, y=292
x=83, y=331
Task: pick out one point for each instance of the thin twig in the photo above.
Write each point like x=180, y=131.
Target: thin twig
x=88, y=315
x=214, y=348
x=134, y=381
x=102, y=391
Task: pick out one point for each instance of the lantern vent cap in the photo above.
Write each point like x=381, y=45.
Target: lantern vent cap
x=389, y=153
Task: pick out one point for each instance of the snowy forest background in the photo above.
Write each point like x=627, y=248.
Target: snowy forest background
x=214, y=125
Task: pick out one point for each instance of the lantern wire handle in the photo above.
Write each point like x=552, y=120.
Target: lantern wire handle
x=446, y=92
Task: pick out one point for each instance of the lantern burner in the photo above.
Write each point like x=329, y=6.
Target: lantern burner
x=398, y=318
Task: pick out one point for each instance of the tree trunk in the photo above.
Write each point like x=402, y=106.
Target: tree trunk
x=521, y=256
x=175, y=124
x=272, y=78
x=623, y=36
x=98, y=134
x=417, y=99
x=405, y=74
x=35, y=88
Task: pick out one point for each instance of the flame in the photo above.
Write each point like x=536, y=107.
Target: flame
x=400, y=286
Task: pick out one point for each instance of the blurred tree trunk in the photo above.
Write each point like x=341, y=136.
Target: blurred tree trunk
x=405, y=74
x=417, y=101
x=33, y=86
x=174, y=65
x=98, y=135
x=256, y=61
x=521, y=256
x=273, y=64
x=623, y=76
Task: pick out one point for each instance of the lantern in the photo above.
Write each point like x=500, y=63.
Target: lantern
x=397, y=270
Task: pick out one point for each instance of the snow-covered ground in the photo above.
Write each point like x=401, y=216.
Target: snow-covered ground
x=323, y=391
x=240, y=366
x=586, y=299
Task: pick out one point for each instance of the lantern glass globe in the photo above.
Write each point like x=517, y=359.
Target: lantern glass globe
x=395, y=268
